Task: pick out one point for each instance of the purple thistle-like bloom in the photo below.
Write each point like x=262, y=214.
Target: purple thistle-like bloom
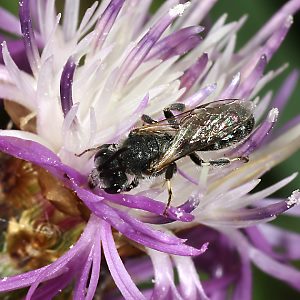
x=89, y=83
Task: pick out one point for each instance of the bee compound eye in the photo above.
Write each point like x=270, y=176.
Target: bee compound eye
x=102, y=156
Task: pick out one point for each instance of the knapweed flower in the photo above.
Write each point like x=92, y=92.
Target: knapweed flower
x=89, y=83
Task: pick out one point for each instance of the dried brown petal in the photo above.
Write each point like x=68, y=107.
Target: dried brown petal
x=21, y=116
x=58, y=195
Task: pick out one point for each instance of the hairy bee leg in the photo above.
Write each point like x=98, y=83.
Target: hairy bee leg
x=170, y=116
x=93, y=179
x=147, y=119
x=218, y=162
x=171, y=170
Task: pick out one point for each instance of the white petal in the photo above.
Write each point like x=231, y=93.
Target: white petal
x=71, y=12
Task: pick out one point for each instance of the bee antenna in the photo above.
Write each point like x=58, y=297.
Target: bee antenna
x=87, y=150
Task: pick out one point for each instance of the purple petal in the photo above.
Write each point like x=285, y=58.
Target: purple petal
x=52, y=287
x=150, y=205
x=248, y=84
x=42, y=156
x=190, y=204
x=72, y=260
x=79, y=290
x=138, y=54
x=17, y=52
x=181, y=49
x=187, y=207
x=277, y=19
x=219, y=294
x=286, y=89
x=282, y=239
x=259, y=241
x=270, y=47
x=106, y=22
x=257, y=137
x=216, y=284
x=172, y=41
x=117, y=270
x=33, y=278
x=135, y=229
x=264, y=262
x=164, y=285
x=232, y=87
x=262, y=213
x=147, y=231
x=191, y=75
x=94, y=279
x=28, y=35
x=197, y=98
x=55, y=269
x=20, y=281
x=243, y=288
x=9, y=23
x=66, y=83
x=276, y=269
x=128, y=226
x=39, y=155
x=138, y=202
x=145, y=235
x=140, y=268
x=93, y=261
x=190, y=286
x=274, y=42
x=295, y=211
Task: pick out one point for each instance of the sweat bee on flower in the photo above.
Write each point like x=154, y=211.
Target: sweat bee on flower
x=153, y=148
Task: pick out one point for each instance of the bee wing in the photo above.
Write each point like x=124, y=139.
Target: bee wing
x=168, y=124
x=204, y=126
x=165, y=125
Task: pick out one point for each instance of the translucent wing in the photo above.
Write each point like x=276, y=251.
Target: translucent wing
x=167, y=125
x=209, y=127
x=164, y=125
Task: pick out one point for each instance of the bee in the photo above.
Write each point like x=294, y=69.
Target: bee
x=154, y=148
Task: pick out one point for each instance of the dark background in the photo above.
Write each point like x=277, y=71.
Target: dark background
x=259, y=12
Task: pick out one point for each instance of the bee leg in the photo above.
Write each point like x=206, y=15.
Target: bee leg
x=147, y=119
x=218, y=162
x=196, y=159
x=226, y=161
x=171, y=170
x=170, y=116
x=175, y=106
x=134, y=183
